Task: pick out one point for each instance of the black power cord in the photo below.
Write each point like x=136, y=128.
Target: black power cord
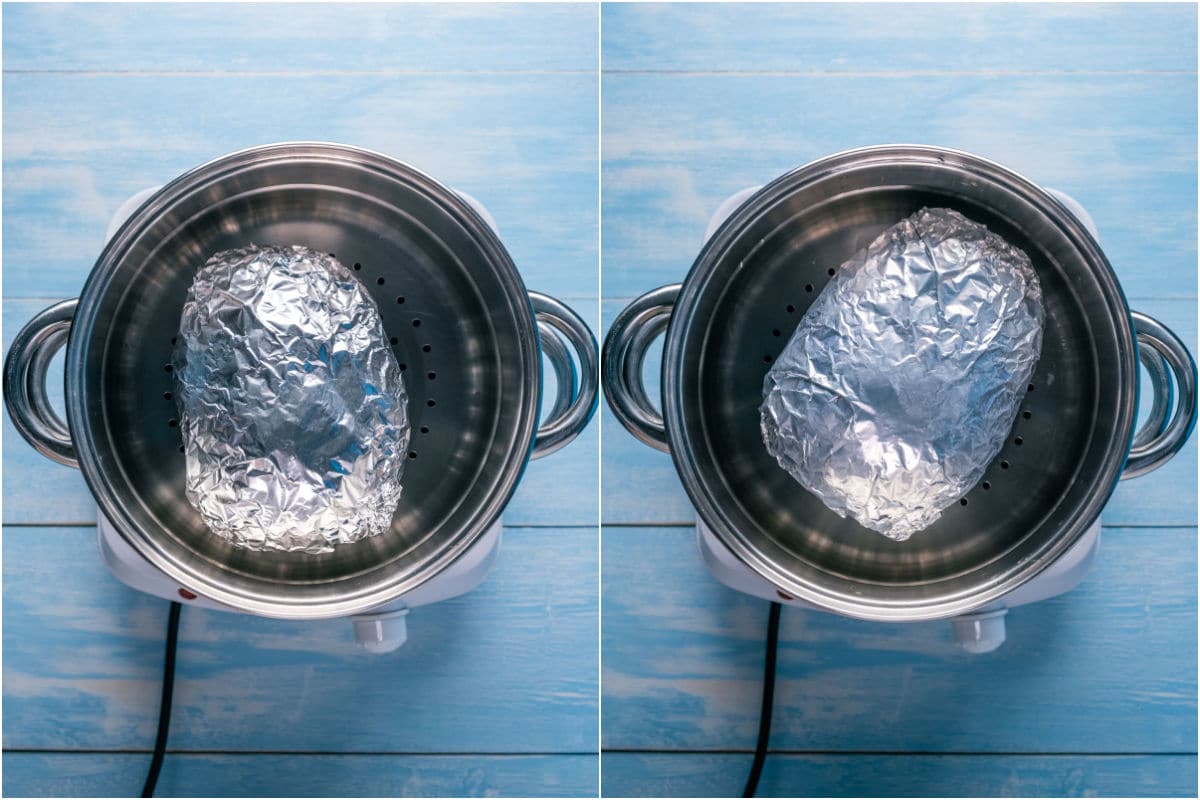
x=164, y=708
x=768, y=698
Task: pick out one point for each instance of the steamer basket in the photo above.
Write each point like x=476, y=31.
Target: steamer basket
x=743, y=297
x=463, y=327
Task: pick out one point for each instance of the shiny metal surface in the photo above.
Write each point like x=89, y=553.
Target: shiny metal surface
x=560, y=360
x=25, y=368
x=901, y=382
x=291, y=403
x=760, y=272
x=458, y=318
x=1163, y=394
x=577, y=395
x=629, y=336
x=1161, y=436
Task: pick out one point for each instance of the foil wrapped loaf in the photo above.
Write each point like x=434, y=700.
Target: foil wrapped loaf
x=903, y=379
x=293, y=409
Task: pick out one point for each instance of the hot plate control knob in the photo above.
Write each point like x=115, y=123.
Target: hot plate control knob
x=980, y=631
x=381, y=632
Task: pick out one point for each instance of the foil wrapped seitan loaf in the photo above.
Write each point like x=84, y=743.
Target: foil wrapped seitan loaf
x=293, y=409
x=901, y=382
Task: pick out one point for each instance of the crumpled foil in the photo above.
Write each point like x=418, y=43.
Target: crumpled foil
x=903, y=379
x=292, y=406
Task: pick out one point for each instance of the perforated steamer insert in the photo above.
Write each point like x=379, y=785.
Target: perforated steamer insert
x=749, y=287
x=458, y=317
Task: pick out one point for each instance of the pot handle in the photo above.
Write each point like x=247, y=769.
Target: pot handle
x=624, y=352
x=1163, y=355
x=559, y=326
x=25, y=370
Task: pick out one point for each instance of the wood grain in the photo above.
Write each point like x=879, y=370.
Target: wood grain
x=281, y=775
x=677, y=145
x=1088, y=99
x=699, y=101
x=292, y=37
x=1107, y=668
x=899, y=775
x=873, y=37
x=510, y=667
x=496, y=100
x=77, y=145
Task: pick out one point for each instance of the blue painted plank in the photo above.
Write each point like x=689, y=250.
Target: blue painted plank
x=723, y=774
x=634, y=472
x=76, y=146
x=1107, y=668
x=675, y=146
x=237, y=37
x=557, y=490
x=961, y=37
x=499, y=101
x=510, y=667
x=273, y=775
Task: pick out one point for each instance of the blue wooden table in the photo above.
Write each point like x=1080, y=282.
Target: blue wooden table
x=495, y=692
x=1095, y=691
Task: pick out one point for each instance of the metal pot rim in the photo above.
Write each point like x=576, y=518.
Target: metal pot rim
x=80, y=397
x=684, y=454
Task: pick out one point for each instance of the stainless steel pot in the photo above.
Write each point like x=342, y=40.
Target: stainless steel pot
x=754, y=280
x=459, y=317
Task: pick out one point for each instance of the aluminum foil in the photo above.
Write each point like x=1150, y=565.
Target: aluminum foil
x=903, y=379
x=293, y=409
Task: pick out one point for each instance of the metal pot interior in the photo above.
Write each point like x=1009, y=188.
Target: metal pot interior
x=744, y=298
x=459, y=322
